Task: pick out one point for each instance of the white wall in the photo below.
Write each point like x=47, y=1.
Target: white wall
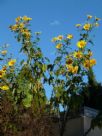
x=78, y=126
x=95, y=132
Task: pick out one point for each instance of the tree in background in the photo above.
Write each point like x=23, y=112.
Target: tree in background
x=93, y=92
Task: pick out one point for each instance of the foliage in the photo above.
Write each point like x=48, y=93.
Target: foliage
x=93, y=92
x=22, y=85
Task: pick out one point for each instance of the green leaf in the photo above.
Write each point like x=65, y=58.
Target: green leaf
x=27, y=101
x=22, y=62
x=1, y=59
x=44, y=67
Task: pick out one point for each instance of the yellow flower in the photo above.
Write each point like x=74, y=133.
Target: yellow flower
x=18, y=19
x=96, y=24
x=25, y=18
x=69, y=61
x=72, y=69
x=54, y=39
x=4, y=68
x=69, y=36
x=78, y=25
x=78, y=54
x=69, y=67
x=90, y=53
x=60, y=37
x=4, y=87
x=89, y=63
x=81, y=44
x=21, y=25
x=86, y=64
x=2, y=73
x=4, y=52
x=14, y=27
x=89, y=16
x=97, y=19
x=27, y=33
x=75, y=70
x=22, y=30
x=59, y=45
x=92, y=62
x=12, y=62
x=87, y=26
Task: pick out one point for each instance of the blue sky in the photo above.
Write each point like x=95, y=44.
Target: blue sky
x=51, y=17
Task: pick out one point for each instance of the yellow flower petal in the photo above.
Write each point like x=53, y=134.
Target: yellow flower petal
x=12, y=62
x=18, y=19
x=60, y=37
x=78, y=54
x=69, y=36
x=81, y=44
x=4, y=52
x=97, y=19
x=4, y=87
x=89, y=16
x=2, y=73
x=59, y=45
x=78, y=25
x=25, y=18
x=87, y=26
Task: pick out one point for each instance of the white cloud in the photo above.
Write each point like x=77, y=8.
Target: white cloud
x=55, y=23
